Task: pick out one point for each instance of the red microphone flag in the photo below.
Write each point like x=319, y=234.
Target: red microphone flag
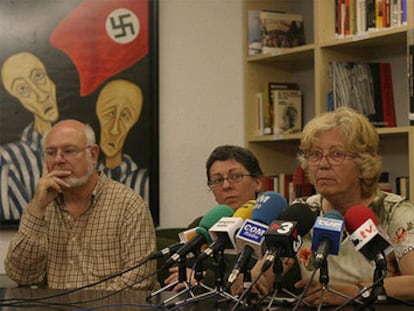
x=103, y=38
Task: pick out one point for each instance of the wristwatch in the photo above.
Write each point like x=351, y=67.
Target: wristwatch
x=364, y=291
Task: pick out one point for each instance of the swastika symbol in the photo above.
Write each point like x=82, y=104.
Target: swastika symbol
x=122, y=25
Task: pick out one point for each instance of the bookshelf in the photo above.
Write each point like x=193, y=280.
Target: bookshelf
x=308, y=66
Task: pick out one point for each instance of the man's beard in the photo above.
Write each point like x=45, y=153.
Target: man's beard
x=80, y=181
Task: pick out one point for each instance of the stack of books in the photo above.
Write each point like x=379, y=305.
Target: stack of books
x=279, y=109
x=270, y=31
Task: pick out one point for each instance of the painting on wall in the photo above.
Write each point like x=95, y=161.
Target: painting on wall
x=91, y=60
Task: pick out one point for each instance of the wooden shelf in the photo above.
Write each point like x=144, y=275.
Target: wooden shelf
x=308, y=65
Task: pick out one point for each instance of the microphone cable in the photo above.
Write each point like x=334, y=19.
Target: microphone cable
x=305, y=289
x=16, y=301
x=369, y=299
x=247, y=290
x=38, y=301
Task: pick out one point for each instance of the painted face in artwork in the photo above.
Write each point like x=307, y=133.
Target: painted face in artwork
x=24, y=76
x=118, y=108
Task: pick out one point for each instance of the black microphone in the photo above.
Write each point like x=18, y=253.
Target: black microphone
x=284, y=236
x=166, y=251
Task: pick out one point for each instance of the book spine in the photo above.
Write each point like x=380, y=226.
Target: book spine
x=402, y=186
x=379, y=14
x=361, y=16
x=347, y=17
x=259, y=114
x=267, y=110
x=396, y=13
x=377, y=119
x=410, y=63
x=370, y=12
x=352, y=17
x=386, y=13
x=404, y=12
x=268, y=183
x=387, y=95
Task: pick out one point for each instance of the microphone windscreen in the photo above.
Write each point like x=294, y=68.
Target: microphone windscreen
x=211, y=217
x=357, y=215
x=245, y=211
x=269, y=205
x=302, y=214
x=333, y=214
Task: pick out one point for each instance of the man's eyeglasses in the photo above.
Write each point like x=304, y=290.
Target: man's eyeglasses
x=333, y=157
x=232, y=178
x=66, y=153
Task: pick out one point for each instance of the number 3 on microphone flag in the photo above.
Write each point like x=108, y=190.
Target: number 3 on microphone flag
x=284, y=236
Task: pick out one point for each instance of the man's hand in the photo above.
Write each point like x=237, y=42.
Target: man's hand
x=47, y=188
x=174, y=277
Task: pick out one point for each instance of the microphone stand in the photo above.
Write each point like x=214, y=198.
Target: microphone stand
x=182, y=278
x=218, y=267
x=277, y=284
x=324, y=280
x=378, y=293
x=247, y=282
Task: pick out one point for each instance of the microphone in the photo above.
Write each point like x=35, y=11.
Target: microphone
x=367, y=238
x=202, y=235
x=224, y=231
x=187, y=235
x=245, y=211
x=165, y=251
x=249, y=239
x=327, y=236
x=284, y=236
x=372, y=242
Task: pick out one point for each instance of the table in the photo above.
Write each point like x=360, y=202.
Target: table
x=124, y=300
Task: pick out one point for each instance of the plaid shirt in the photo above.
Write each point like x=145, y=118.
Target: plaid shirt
x=116, y=232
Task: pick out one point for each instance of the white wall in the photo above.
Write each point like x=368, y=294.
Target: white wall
x=201, y=101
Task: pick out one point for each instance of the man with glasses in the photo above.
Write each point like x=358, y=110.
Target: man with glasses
x=234, y=176
x=81, y=227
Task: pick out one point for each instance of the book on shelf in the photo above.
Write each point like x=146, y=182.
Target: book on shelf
x=268, y=113
x=402, y=186
x=290, y=185
x=267, y=109
x=365, y=87
x=378, y=14
x=259, y=114
x=370, y=15
x=253, y=32
x=383, y=182
x=284, y=180
x=361, y=16
x=303, y=187
x=387, y=96
x=281, y=30
x=404, y=12
x=410, y=64
x=287, y=111
x=355, y=17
